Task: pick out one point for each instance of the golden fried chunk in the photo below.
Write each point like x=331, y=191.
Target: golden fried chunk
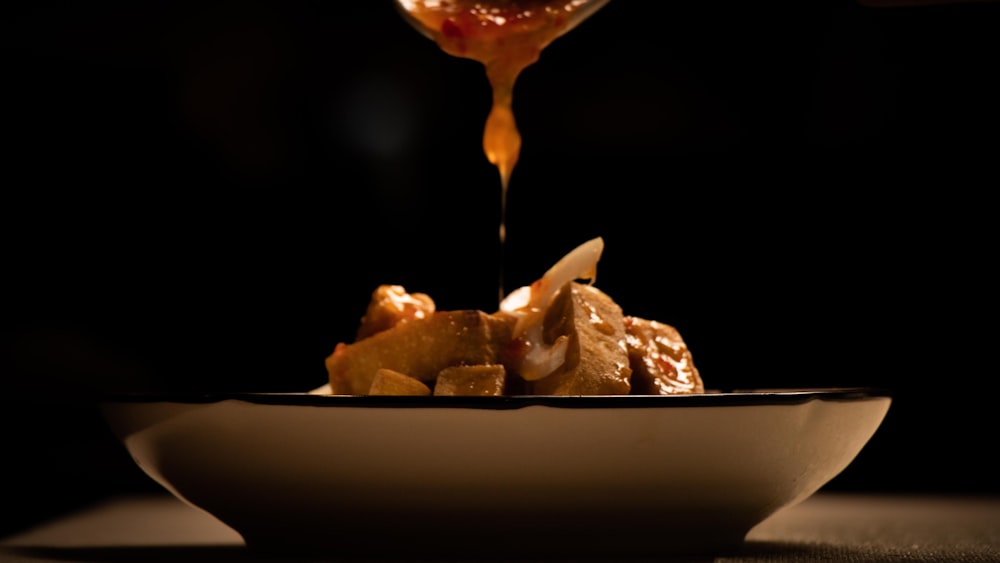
x=661, y=362
x=477, y=381
x=390, y=305
x=596, y=358
x=420, y=348
x=389, y=382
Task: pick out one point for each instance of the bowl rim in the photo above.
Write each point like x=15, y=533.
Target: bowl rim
x=710, y=398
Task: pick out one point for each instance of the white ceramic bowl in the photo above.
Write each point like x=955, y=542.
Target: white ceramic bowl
x=497, y=475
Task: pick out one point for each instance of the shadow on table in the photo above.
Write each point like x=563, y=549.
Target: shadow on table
x=773, y=552
x=190, y=554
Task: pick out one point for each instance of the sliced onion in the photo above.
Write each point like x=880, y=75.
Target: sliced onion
x=528, y=305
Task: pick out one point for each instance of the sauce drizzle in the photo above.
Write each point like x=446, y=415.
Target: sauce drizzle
x=506, y=36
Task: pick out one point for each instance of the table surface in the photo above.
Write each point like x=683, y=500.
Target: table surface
x=826, y=527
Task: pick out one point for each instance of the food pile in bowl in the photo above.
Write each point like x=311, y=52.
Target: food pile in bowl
x=573, y=430
x=559, y=336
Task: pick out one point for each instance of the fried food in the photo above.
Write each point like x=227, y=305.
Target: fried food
x=558, y=336
x=661, y=362
x=391, y=305
x=419, y=348
x=596, y=360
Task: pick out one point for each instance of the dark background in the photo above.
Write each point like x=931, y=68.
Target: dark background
x=202, y=196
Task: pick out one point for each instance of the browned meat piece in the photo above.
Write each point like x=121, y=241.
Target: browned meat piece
x=420, y=348
x=661, y=362
x=389, y=382
x=596, y=359
x=480, y=381
x=391, y=305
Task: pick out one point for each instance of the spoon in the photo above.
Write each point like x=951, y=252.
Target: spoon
x=429, y=17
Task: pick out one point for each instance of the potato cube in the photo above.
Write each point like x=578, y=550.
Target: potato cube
x=471, y=381
x=389, y=382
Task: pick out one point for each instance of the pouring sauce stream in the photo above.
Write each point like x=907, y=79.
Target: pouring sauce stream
x=506, y=36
